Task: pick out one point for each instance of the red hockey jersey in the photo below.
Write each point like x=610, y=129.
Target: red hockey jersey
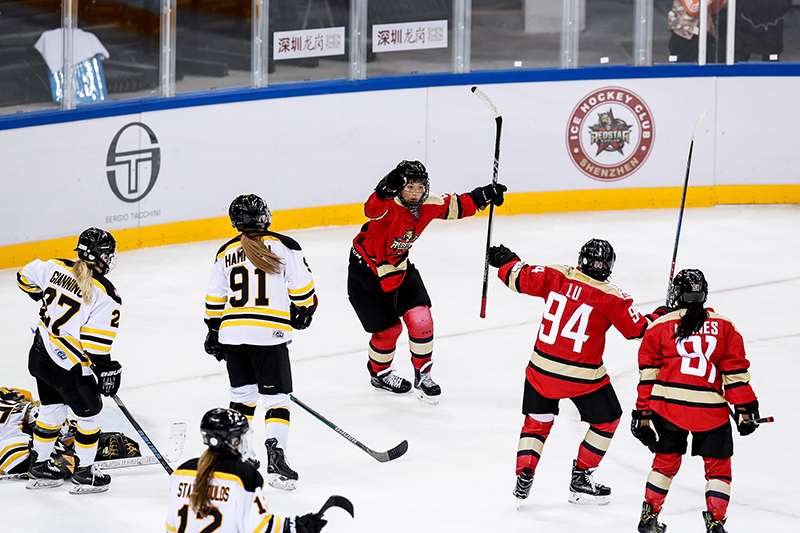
x=385, y=240
x=690, y=382
x=567, y=358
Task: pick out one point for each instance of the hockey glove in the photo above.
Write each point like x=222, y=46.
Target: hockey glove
x=300, y=317
x=212, y=345
x=642, y=427
x=390, y=185
x=488, y=194
x=500, y=255
x=309, y=523
x=658, y=313
x=109, y=376
x=745, y=415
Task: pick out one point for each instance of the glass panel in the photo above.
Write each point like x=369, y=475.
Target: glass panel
x=212, y=44
x=311, y=40
x=24, y=75
x=409, y=36
x=767, y=30
x=516, y=33
x=682, y=28
x=606, y=37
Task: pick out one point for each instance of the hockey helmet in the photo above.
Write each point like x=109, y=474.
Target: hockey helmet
x=596, y=259
x=249, y=214
x=688, y=287
x=413, y=171
x=225, y=430
x=98, y=247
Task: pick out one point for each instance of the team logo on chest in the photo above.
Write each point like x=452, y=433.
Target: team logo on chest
x=401, y=244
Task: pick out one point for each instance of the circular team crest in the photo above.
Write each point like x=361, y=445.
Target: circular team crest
x=610, y=134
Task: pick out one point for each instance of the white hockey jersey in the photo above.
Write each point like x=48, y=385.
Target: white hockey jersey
x=236, y=496
x=250, y=306
x=72, y=330
x=13, y=441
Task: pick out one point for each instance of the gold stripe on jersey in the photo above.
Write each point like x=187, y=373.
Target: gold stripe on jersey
x=304, y=296
x=387, y=269
x=575, y=274
x=648, y=374
x=20, y=451
x=235, y=243
x=561, y=368
x=26, y=285
x=673, y=393
x=97, y=340
x=513, y=276
x=217, y=475
x=170, y=528
x=453, y=209
x=254, y=316
x=275, y=528
x=730, y=379
x=657, y=479
x=71, y=348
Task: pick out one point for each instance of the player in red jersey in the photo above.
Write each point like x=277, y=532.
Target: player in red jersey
x=567, y=360
x=692, y=365
x=384, y=286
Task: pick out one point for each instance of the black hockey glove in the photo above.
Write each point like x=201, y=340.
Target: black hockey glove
x=658, y=312
x=500, y=255
x=642, y=427
x=300, y=317
x=390, y=185
x=109, y=375
x=488, y=194
x=309, y=523
x=745, y=415
x=212, y=345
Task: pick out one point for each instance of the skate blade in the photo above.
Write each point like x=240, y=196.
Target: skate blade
x=36, y=484
x=519, y=502
x=392, y=392
x=87, y=489
x=586, y=499
x=280, y=483
x=430, y=400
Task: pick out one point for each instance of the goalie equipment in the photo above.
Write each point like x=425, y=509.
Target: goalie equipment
x=249, y=214
x=648, y=520
x=11, y=396
x=279, y=474
x=225, y=430
x=596, y=259
x=98, y=247
x=414, y=171
x=116, y=446
x=584, y=490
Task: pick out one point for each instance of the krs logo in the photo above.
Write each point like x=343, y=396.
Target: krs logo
x=610, y=134
x=133, y=162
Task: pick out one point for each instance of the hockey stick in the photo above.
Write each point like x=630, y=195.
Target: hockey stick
x=759, y=421
x=337, y=501
x=142, y=434
x=499, y=121
x=383, y=457
x=683, y=204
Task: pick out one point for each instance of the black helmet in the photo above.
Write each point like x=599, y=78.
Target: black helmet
x=413, y=171
x=250, y=214
x=596, y=259
x=98, y=247
x=689, y=286
x=225, y=430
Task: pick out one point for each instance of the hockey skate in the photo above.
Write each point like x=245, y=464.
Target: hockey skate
x=584, y=490
x=44, y=474
x=389, y=381
x=523, y=486
x=648, y=521
x=279, y=474
x=713, y=525
x=89, y=480
x=427, y=390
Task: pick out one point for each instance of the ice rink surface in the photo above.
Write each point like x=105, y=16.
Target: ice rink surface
x=459, y=470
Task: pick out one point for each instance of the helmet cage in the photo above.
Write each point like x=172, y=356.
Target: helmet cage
x=414, y=172
x=596, y=259
x=249, y=214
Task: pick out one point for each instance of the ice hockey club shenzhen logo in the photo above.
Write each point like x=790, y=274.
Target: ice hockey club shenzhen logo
x=133, y=162
x=610, y=134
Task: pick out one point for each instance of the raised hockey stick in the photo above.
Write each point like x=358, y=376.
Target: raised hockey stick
x=499, y=122
x=683, y=204
x=142, y=434
x=383, y=457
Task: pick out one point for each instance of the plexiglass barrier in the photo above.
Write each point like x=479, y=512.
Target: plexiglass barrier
x=125, y=49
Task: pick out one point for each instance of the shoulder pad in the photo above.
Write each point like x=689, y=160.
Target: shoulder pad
x=286, y=241
x=191, y=464
x=231, y=464
x=433, y=199
x=228, y=244
x=108, y=287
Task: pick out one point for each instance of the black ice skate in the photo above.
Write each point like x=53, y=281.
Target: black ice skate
x=583, y=489
x=389, y=381
x=89, y=480
x=279, y=474
x=428, y=391
x=648, y=521
x=523, y=486
x=43, y=474
x=713, y=525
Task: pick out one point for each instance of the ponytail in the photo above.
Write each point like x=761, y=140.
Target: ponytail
x=84, y=277
x=260, y=254
x=691, y=321
x=201, y=498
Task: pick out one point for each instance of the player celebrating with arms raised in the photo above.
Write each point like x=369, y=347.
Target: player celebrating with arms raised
x=567, y=361
x=692, y=364
x=384, y=286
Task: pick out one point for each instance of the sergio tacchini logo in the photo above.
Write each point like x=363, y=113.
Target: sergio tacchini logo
x=133, y=162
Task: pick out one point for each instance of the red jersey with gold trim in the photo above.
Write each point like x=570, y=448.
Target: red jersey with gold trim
x=567, y=359
x=690, y=382
x=385, y=240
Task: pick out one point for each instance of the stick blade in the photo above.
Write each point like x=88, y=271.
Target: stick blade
x=338, y=501
x=394, y=453
x=177, y=438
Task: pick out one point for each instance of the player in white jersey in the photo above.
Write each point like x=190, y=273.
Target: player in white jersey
x=221, y=492
x=78, y=321
x=15, y=409
x=260, y=290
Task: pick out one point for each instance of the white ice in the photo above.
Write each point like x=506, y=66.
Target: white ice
x=459, y=470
